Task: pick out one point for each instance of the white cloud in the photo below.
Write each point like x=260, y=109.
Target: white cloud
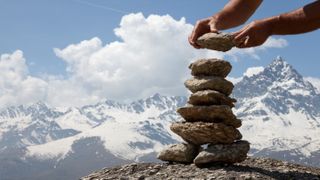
x=314, y=81
x=275, y=43
x=253, y=71
x=152, y=55
x=234, y=80
x=253, y=52
x=16, y=86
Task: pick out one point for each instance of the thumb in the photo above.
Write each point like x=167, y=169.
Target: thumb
x=241, y=37
x=213, y=27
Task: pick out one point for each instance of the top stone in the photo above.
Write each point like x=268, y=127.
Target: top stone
x=210, y=67
x=216, y=41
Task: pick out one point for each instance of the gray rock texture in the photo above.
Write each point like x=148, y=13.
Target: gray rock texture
x=210, y=67
x=211, y=113
x=210, y=97
x=200, y=133
x=251, y=168
x=184, y=153
x=216, y=41
x=200, y=83
x=226, y=153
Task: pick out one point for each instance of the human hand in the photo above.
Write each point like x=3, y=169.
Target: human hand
x=202, y=27
x=253, y=34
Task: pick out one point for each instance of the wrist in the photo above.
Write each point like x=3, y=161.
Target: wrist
x=214, y=23
x=272, y=24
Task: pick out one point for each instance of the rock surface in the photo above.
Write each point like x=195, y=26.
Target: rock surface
x=228, y=153
x=184, y=153
x=210, y=67
x=200, y=83
x=216, y=41
x=210, y=97
x=251, y=168
x=212, y=113
x=200, y=133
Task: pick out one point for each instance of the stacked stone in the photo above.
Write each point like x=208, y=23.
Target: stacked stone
x=209, y=127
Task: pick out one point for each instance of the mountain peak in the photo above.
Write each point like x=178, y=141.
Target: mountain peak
x=280, y=70
x=279, y=58
x=279, y=64
x=277, y=75
x=156, y=96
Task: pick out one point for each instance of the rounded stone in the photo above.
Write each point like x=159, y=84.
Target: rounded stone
x=210, y=67
x=218, y=114
x=184, y=153
x=216, y=41
x=210, y=97
x=200, y=83
x=200, y=133
x=226, y=153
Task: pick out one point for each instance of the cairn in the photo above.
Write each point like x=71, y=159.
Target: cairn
x=209, y=128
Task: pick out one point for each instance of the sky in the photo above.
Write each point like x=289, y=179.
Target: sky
x=76, y=52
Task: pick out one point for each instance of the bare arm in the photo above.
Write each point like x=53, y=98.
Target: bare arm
x=235, y=13
x=302, y=20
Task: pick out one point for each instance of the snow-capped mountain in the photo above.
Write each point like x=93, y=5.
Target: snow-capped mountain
x=281, y=113
x=279, y=108
x=129, y=131
x=107, y=133
x=24, y=126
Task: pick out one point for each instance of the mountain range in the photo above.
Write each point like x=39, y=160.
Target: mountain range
x=280, y=110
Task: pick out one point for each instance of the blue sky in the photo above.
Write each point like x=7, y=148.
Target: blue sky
x=36, y=27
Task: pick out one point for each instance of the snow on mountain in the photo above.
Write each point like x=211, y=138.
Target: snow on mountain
x=23, y=126
x=281, y=111
x=75, y=119
x=129, y=131
x=314, y=81
x=279, y=108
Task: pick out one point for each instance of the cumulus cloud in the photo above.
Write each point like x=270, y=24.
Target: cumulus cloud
x=16, y=85
x=271, y=42
x=151, y=55
x=234, y=80
x=253, y=71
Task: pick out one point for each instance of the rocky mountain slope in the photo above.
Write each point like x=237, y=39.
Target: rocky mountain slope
x=281, y=113
x=252, y=168
x=279, y=108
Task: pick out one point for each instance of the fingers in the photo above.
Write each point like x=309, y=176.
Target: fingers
x=194, y=36
x=201, y=27
x=192, y=42
x=244, y=38
x=240, y=36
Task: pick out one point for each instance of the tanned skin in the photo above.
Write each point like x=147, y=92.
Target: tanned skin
x=237, y=12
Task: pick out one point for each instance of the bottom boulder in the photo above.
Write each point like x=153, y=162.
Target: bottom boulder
x=183, y=153
x=225, y=153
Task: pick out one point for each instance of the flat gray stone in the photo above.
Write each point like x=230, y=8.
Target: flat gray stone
x=219, y=42
x=200, y=133
x=184, y=153
x=210, y=97
x=226, y=153
x=218, y=114
x=200, y=83
x=210, y=67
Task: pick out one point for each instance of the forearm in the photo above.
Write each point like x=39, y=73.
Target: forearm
x=302, y=20
x=235, y=13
